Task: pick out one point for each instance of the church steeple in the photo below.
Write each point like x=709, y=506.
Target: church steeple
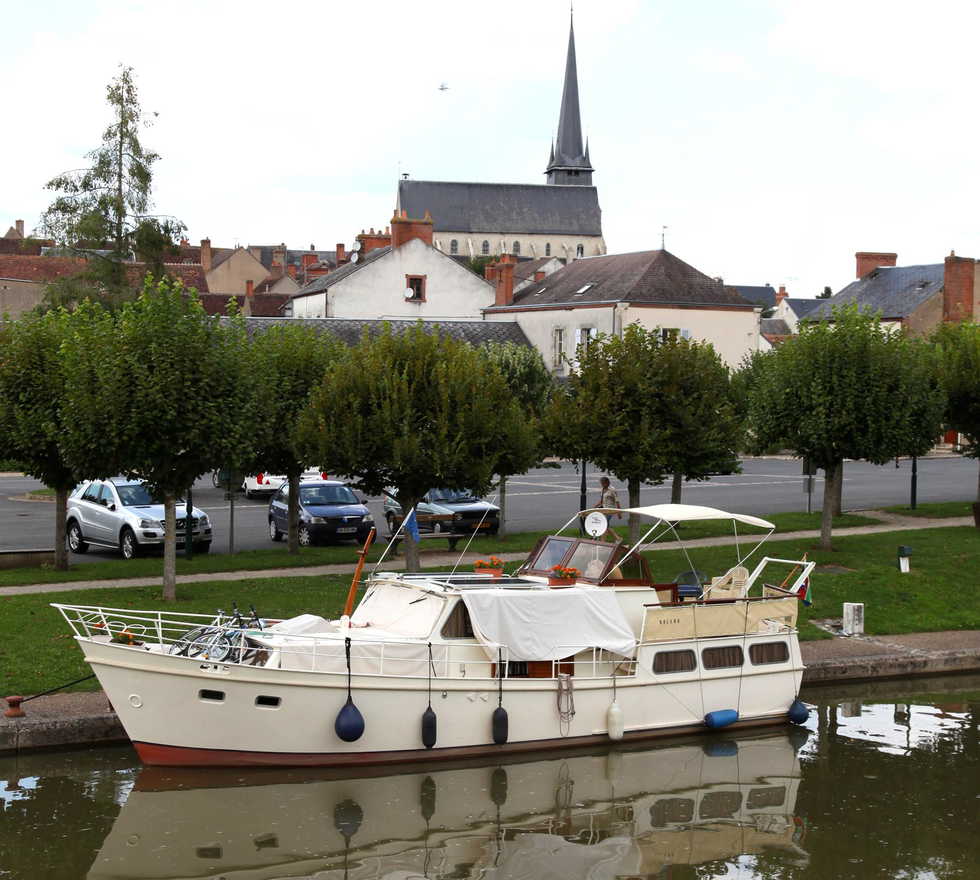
x=569, y=162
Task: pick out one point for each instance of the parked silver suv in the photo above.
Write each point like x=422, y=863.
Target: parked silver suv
x=122, y=514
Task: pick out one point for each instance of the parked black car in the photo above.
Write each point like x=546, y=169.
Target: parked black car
x=328, y=509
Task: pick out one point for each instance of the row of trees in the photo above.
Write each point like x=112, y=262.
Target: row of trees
x=158, y=390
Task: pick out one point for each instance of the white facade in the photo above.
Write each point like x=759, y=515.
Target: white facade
x=556, y=332
x=565, y=247
x=377, y=289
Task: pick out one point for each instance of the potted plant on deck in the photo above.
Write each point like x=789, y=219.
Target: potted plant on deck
x=563, y=576
x=494, y=566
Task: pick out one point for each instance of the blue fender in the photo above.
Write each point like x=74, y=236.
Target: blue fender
x=720, y=718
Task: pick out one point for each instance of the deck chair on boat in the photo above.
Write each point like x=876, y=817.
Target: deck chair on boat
x=689, y=583
x=731, y=585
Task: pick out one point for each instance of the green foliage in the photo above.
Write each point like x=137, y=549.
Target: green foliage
x=846, y=389
x=959, y=353
x=479, y=264
x=642, y=408
x=413, y=410
x=101, y=212
x=31, y=388
x=826, y=293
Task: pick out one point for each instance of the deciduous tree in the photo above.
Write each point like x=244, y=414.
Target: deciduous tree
x=850, y=388
x=411, y=411
x=157, y=391
x=531, y=384
x=101, y=211
x=31, y=410
x=959, y=360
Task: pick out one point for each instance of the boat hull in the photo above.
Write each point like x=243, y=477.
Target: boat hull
x=170, y=709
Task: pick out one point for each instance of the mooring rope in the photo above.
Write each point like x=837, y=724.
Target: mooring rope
x=58, y=688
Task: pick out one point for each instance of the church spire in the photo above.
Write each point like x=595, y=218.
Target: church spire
x=569, y=163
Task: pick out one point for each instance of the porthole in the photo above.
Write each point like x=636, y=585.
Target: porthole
x=267, y=702
x=212, y=696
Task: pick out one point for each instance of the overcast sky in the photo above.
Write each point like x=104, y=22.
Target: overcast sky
x=773, y=139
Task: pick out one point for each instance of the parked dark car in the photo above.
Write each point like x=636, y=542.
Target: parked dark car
x=328, y=510
x=457, y=511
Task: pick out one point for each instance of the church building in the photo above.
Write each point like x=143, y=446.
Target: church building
x=560, y=218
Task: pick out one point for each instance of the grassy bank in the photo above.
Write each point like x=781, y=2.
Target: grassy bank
x=275, y=556
x=940, y=593
x=934, y=510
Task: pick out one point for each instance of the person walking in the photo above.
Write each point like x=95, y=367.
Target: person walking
x=607, y=496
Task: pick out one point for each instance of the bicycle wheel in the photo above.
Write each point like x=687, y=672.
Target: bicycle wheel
x=182, y=647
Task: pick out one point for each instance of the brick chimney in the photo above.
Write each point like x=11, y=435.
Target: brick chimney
x=279, y=257
x=307, y=260
x=341, y=253
x=291, y=270
x=539, y=275
x=504, y=272
x=957, y=288
x=19, y=226
x=405, y=228
x=868, y=261
x=781, y=294
x=206, y=254
x=371, y=241
x=249, y=298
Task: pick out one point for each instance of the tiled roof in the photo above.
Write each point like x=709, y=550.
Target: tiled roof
x=525, y=269
x=488, y=208
x=293, y=257
x=761, y=295
x=894, y=291
x=642, y=277
x=775, y=327
x=349, y=330
x=32, y=268
x=802, y=307
x=318, y=285
x=266, y=305
x=24, y=246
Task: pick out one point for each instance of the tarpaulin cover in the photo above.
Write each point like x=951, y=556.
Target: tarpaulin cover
x=549, y=624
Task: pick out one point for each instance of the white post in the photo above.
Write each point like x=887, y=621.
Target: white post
x=853, y=624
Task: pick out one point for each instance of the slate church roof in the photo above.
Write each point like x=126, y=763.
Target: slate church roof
x=488, y=208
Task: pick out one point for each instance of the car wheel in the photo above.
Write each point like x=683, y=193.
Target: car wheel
x=203, y=547
x=305, y=536
x=274, y=532
x=76, y=543
x=128, y=545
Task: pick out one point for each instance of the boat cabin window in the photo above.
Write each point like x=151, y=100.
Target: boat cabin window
x=399, y=610
x=722, y=657
x=760, y=798
x=665, y=662
x=720, y=804
x=671, y=811
x=768, y=652
x=458, y=625
x=552, y=552
x=591, y=558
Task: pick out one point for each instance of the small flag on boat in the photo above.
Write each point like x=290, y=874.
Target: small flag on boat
x=803, y=592
x=412, y=527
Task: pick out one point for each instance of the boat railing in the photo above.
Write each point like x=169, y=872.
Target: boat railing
x=243, y=645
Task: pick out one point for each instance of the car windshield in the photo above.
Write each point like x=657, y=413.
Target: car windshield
x=137, y=495
x=311, y=496
x=452, y=496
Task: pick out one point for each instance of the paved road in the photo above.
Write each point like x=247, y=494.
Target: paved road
x=545, y=499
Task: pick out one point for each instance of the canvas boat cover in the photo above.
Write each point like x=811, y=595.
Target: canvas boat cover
x=549, y=624
x=688, y=513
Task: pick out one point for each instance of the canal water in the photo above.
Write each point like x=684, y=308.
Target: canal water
x=884, y=782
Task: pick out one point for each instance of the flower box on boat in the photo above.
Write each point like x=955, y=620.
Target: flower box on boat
x=459, y=664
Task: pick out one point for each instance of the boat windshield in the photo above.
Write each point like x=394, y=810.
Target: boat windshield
x=591, y=558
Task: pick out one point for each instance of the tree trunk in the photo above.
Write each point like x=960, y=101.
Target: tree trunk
x=676, y=488
x=411, y=547
x=292, y=514
x=169, y=547
x=633, y=488
x=839, y=490
x=978, y=481
x=832, y=474
x=60, y=513
x=502, y=504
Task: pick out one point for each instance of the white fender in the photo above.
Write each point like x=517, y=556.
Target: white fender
x=614, y=721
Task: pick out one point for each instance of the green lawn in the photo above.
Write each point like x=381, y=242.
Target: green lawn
x=940, y=593
x=935, y=510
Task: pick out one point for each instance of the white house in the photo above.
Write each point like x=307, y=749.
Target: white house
x=604, y=294
x=407, y=279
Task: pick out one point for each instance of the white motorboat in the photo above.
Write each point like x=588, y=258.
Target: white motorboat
x=458, y=665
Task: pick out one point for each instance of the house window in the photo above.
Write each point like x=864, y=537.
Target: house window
x=485, y=247
x=668, y=334
x=558, y=346
x=454, y=246
x=585, y=335
x=517, y=248
x=580, y=250
x=547, y=249
x=415, y=283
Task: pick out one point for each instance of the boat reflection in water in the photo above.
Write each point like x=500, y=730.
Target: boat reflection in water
x=619, y=813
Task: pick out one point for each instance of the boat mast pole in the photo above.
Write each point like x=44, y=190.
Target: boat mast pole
x=352, y=592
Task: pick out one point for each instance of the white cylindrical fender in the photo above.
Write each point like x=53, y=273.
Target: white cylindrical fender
x=614, y=721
